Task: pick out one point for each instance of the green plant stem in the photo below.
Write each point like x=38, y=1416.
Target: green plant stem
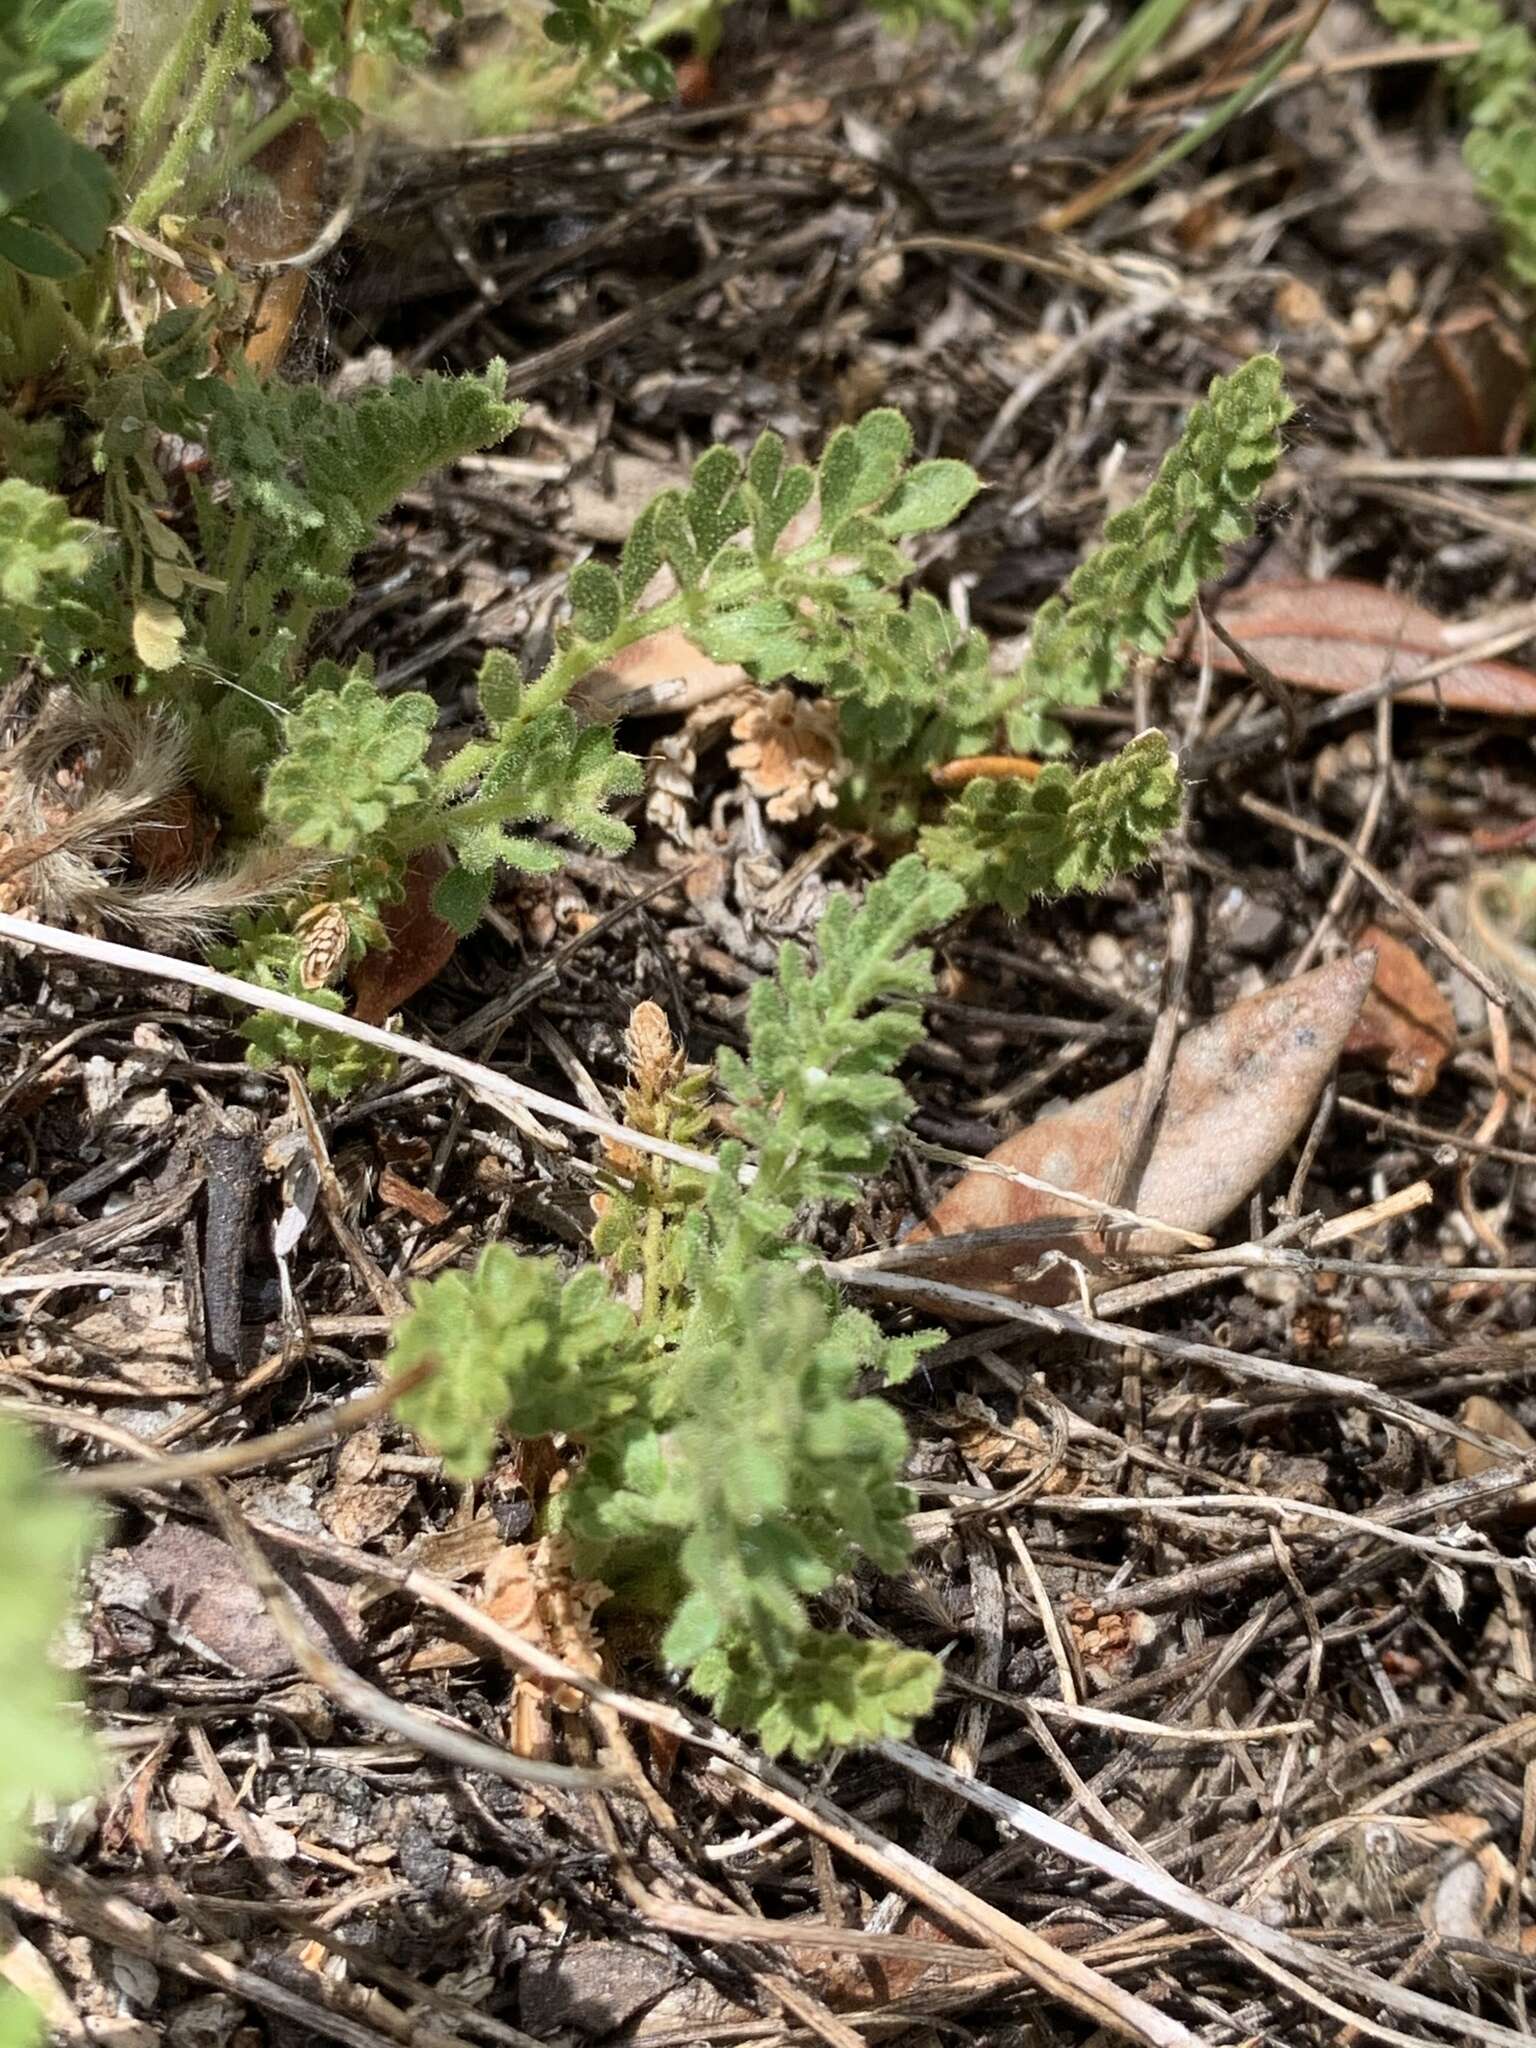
x=566, y=670
x=44, y=330
x=266, y=131
x=81, y=100
x=651, y=1256
x=1150, y=25
x=166, y=86
x=170, y=174
x=236, y=558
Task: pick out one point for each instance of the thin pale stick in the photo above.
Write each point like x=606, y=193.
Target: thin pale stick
x=500, y=1089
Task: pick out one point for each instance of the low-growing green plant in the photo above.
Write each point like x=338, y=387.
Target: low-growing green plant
x=190, y=602
x=1495, y=86
x=45, y=1751
x=732, y=1472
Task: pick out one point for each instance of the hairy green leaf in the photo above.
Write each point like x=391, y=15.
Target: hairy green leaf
x=1144, y=576
x=514, y=1345
x=1009, y=842
x=817, y=1090
x=353, y=762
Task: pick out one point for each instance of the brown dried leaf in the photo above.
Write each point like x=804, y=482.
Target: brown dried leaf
x=279, y=215
x=1469, y=1882
x=1240, y=1090
x=1108, y=1645
x=420, y=945
x=1341, y=635
x=358, y=1512
x=1407, y=1024
x=396, y=1192
x=1460, y=388
x=1472, y=1461
x=664, y=672
x=200, y=1589
x=588, y=1990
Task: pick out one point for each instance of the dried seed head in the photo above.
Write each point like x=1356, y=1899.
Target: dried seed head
x=326, y=932
x=790, y=753
x=655, y=1062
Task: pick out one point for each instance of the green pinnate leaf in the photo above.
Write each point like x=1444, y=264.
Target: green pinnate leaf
x=674, y=538
x=45, y=43
x=57, y=197
x=837, y=476
x=648, y=70
x=932, y=495
x=310, y=475
x=716, y=506
x=1142, y=579
x=827, y=1692
x=640, y=558
x=500, y=687
x=1503, y=160
x=462, y=898
x=45, y=555
x=1495, y=78
x=336, y=32
x=1010, y=842
x=817, y=1092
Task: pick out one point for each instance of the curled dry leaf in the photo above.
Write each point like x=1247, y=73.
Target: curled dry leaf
x=1108, y=1645
x=1469, y=1878
x=277, y=217
x=396, y=1192
x=984, y=767
x=1341, y=635
x=789, y=752
x=1406, y=1023
x=1240, y=1090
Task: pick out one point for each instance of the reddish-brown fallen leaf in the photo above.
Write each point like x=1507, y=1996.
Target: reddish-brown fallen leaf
x=1240, y=1090
x=420, y=945
x=1341, y=635
x=1406, y=1023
